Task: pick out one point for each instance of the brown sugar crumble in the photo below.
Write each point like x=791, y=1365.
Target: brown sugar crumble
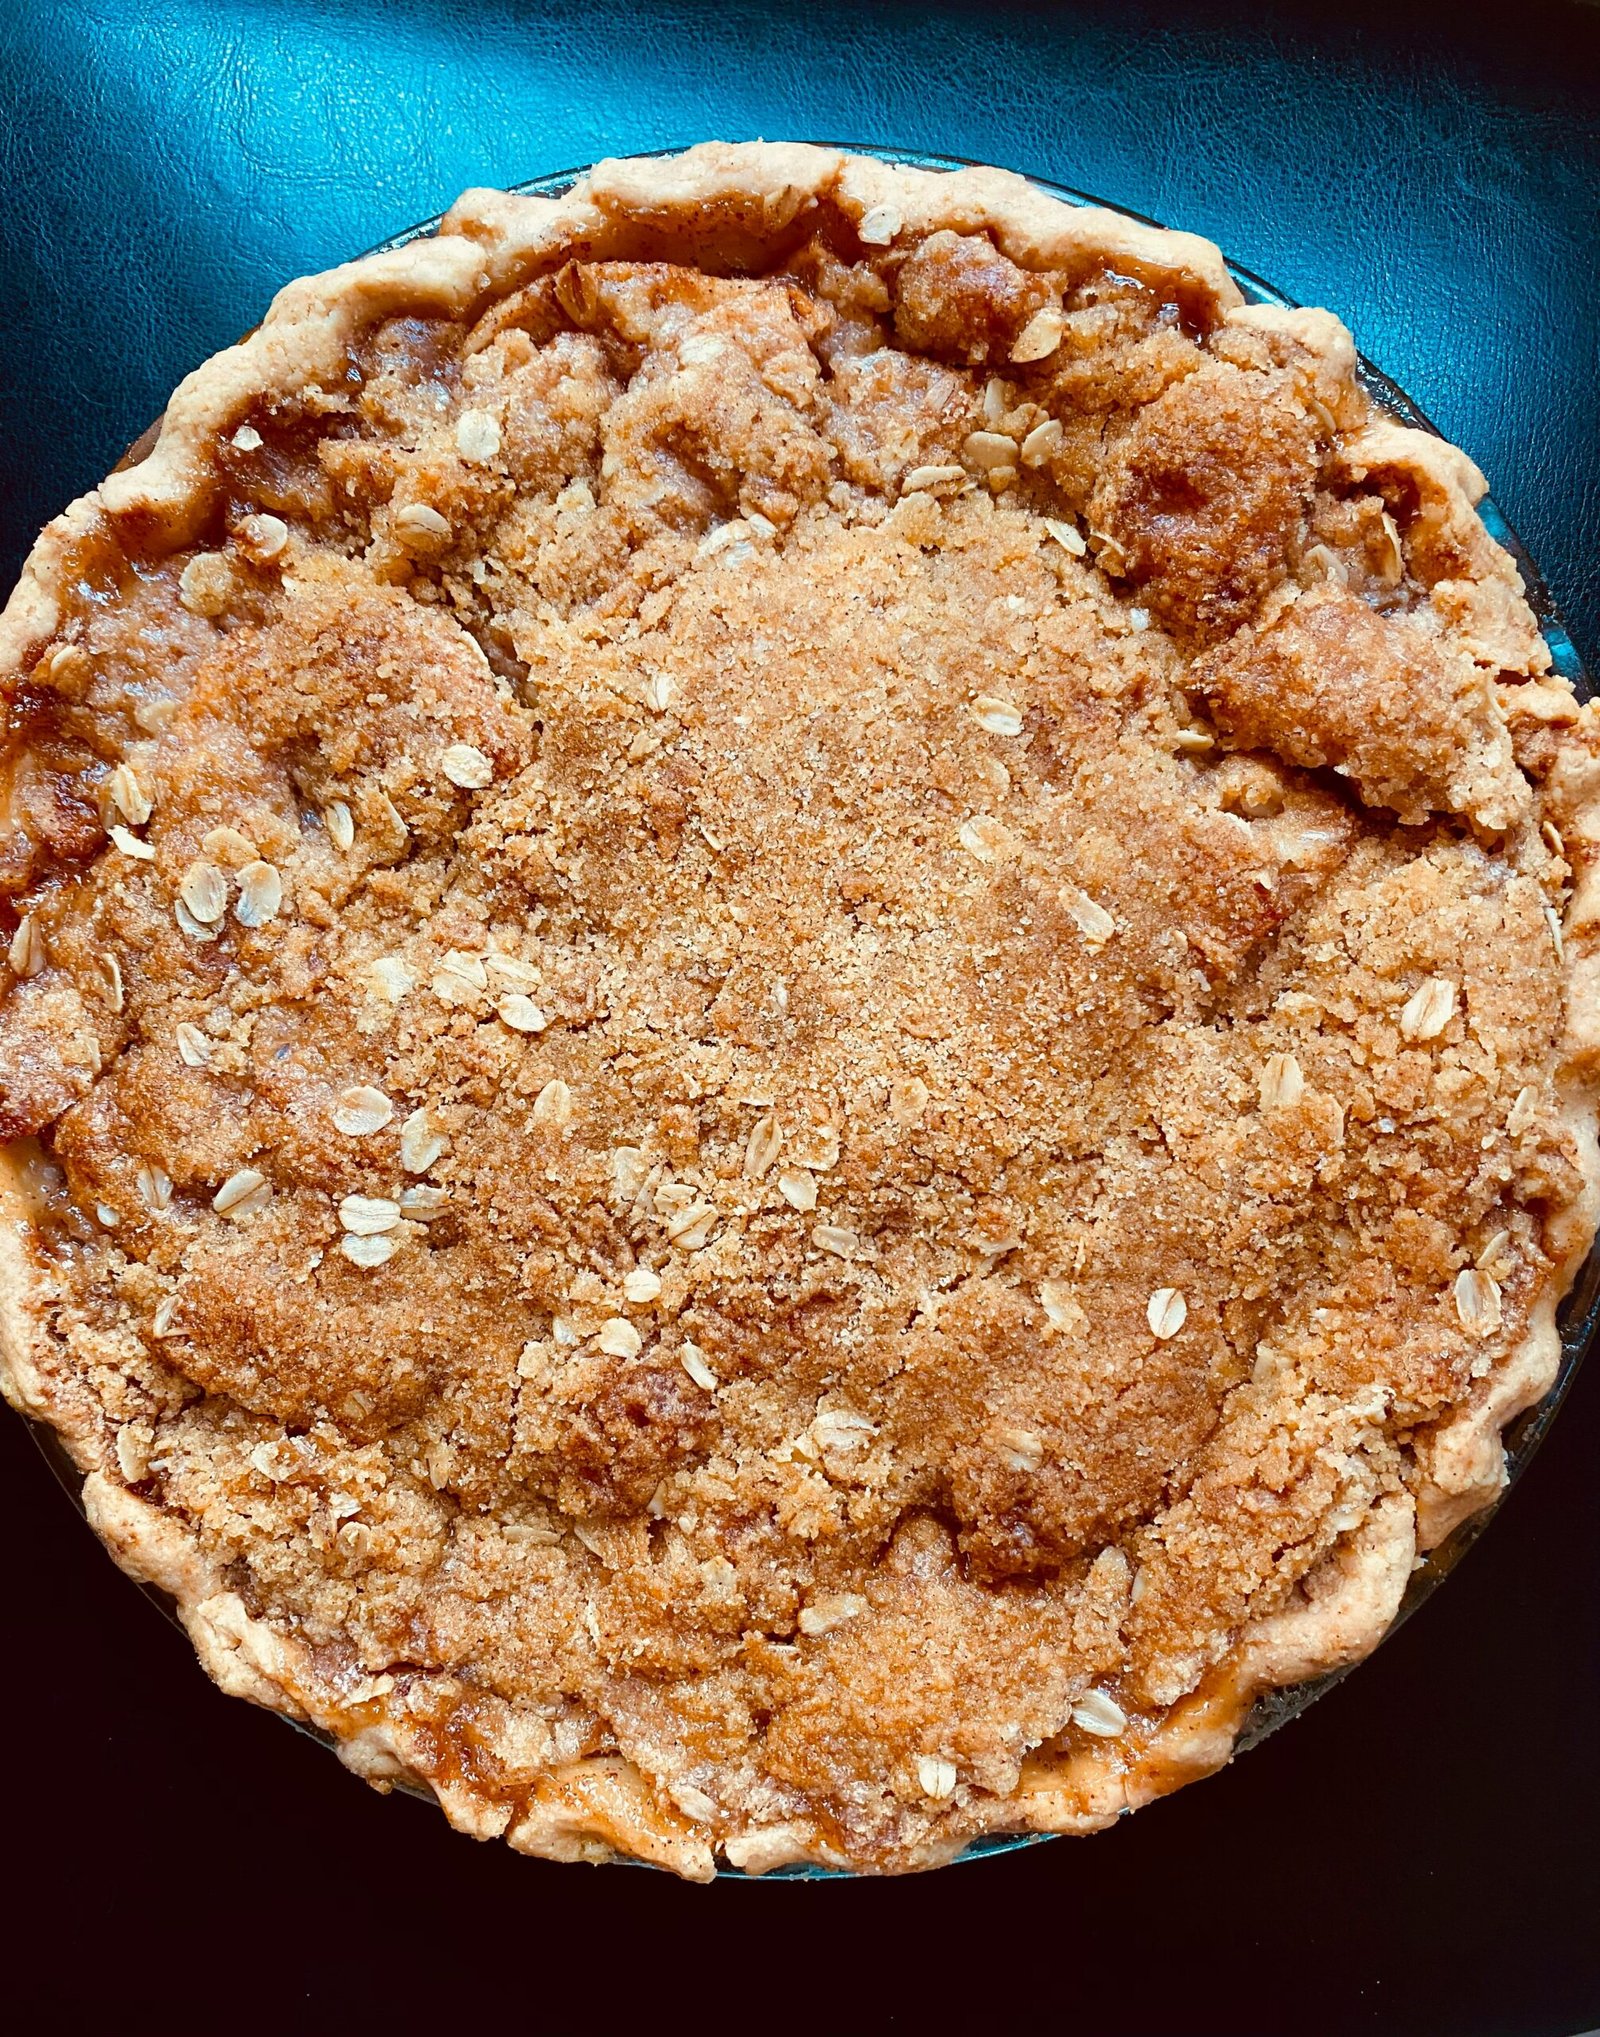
x=777, y=1038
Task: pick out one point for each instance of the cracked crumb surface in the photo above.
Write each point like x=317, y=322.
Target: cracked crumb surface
x=764, y=1065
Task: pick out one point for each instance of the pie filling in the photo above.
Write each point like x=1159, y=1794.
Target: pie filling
x=776, y=1039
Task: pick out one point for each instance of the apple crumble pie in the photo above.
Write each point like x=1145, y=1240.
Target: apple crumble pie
x=801, y=1017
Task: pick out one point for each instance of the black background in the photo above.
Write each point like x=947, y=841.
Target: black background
x=1419, y=1853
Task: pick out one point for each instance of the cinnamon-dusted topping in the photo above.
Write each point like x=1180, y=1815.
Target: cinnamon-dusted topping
x=830, y=1041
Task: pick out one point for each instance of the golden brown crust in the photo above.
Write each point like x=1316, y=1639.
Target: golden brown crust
x=941, y=803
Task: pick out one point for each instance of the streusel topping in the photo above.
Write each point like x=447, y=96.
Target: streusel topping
x=785, y=1029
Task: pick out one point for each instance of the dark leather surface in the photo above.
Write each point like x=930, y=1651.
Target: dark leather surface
x=1418, y=1853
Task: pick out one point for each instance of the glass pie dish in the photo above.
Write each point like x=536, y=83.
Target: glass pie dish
x=1524, y=1434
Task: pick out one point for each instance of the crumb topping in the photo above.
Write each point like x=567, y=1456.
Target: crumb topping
x=781, y=1029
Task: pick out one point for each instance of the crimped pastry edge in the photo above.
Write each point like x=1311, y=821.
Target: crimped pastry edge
x=714, y=197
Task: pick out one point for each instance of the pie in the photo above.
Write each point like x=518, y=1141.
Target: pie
x=801, y=1027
